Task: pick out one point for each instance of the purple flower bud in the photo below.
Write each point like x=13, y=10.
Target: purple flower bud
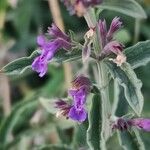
x=103, y=32
x=79, y=6
x=115, y=26
x=81, y=81
x=141, y=123
x=113, y=47
x=121, y=124
x=55, y=32
x=124, y=124
x=49, y=48
x=88, y=3
x=108, y=45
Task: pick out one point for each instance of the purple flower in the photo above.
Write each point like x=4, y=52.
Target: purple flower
x=55, y=32
x=80, y=89
x=79, y=6
x=107, y=35
x=103, y=32
x=81, y=82
x=121, y=124
x=49, y=48
x=76, y=111
x=114, y=47
x=63, y=107
x=108, y=44
x=88, y=3
x=115, y=26
x=124, y=124
x=141, y=123
x=78, y=114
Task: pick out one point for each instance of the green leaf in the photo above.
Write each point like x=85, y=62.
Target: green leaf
x=139, y=54
x=63, y=135
x=94, y=129
x=130, y=140
x=64, y=56
x=11, y=121
x=120, y=105
x=128, y=7
x=79, y=139
x=23, y=64
x=132, y=86
x=20, y=65
x=54, y=147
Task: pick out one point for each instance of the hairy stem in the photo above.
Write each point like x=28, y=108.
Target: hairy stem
x=102, y=82
x=92, y=23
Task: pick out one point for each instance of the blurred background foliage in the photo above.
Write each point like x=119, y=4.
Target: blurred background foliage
x=24, y=124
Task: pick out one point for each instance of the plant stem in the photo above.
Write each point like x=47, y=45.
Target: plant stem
x=92, y=23
x=106, y=109
x=102, y=82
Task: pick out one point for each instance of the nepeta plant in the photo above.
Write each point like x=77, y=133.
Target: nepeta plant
x=114, y=63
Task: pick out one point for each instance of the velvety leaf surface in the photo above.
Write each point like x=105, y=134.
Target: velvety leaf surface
x=128, y=7
x=132, y=86
x=139, y=54
x=21, y=65
x=94, y=129
x=130, y=140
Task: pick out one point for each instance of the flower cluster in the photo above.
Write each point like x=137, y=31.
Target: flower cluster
x=124, y=124
x=108, y=44
x=81, y=87
x=79, y=7
x=48, y=48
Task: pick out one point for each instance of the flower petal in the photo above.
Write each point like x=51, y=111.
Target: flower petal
x=41, y=40
x=115, y=26
x=77, y=115
x=141, y=123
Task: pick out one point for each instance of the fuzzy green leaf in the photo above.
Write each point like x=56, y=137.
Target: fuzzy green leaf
x=139, y=54
x=132, y=86
x=20, y=65
x=120, y=105
x=79, y=139
x=128, y=7
x=12, y=120
x=63, y=56
x=94, y=129
x=130, y=140
x=23, y=64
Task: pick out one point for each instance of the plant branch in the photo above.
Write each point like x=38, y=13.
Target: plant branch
x=102, y=82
